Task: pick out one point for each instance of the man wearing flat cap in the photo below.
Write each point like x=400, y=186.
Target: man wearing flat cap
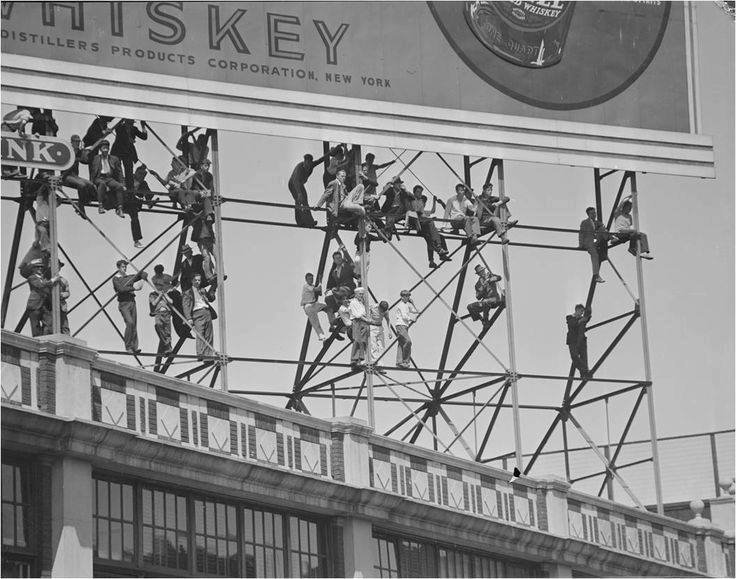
x=39, y=296
x=405, y=313
x=125, y=287
x=486, y=293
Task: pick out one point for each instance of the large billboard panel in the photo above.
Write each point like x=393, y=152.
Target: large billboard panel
x=623, y=64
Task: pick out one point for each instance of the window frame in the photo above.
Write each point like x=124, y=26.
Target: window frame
x=31, y=511
x=138, y=568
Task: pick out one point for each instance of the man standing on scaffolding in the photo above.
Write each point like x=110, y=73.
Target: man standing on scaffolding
x=199, y=314
x=125, y=287
x=404, y=316
x=576, y=340
x=39, y=296
x=358, y=328
x=160, y=309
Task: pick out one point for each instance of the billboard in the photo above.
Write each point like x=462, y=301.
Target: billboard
x=622, y=64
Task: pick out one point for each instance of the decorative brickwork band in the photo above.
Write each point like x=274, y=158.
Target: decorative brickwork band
x=337, y=456
x=47, y=382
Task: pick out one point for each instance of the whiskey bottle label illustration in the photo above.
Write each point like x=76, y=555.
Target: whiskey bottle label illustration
x=530, y=34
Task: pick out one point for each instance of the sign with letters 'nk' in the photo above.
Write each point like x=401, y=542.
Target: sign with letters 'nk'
x=608, y=63
x=36, y=152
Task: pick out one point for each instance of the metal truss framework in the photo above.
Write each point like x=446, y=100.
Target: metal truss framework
x=442, y=386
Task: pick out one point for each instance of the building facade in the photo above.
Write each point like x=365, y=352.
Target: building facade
x=114, y=471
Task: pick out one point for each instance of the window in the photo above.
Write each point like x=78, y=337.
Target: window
x=113, y=521
x=387, y=565
x=417, y=558
x=216, y=539
x=165, y=527
x=306, y=548
x=143, y=530
x=264, y=543
x=15, y=506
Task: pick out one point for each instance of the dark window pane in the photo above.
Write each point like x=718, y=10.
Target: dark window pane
x=258, y=523
x=248, y=520
x=234, y=565
x=115, y=501
x=18, y=485
x=148, y=545
x=183, y=551
x=278, y=530
x=181, y=517
x=232, y=523
x=200, y=553
x=7, y=482
x=8, y=524
x=20, y=526
x=170, y=549
x=303, y=536
x=294, y=536
x=158, y=508
x=128, y=503
x=103, y=540
x=170, y=511
x=127, y=542
x=211, y=556
x=210, y=517
x=220, y=520
x=392, y=555
x=102, y=499
x=199, y=516
x=313, y=538
x=159, y=546
x=295, y=570
x=269, y=562
x=260, y=563
x=280, y=564
x=147, y=507
x=305, y=566
x=250, y=561
x=116, y=541
x=268, y=528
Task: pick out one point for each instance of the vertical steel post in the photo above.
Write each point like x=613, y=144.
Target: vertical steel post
x=510, y=333
x=645, y=347
x=219, y=256
x=53, y=237
x=13, y=259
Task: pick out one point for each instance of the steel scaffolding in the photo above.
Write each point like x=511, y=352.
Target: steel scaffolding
x=437, y=389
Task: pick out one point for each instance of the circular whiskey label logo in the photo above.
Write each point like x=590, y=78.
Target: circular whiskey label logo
x=554, y=54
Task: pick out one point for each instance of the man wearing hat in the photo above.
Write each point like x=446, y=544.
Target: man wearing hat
x=63, y=308
x=405, y=313
x=39, y=297
x=160, y=309
x=488, y=212
x=486, y=293
x=395, y=205
x=106, y=173
x=419, y=218
x=576, y=341
x=125, y=287
x=190, y=265
x=460, y=210
x=70, y=177
x=359, y=321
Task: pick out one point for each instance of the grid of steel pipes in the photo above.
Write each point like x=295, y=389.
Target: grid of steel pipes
x=424, y=409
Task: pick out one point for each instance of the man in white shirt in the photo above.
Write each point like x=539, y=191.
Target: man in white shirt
x=405, y=314
x=378, y=314
x=461, y=212
x=358, y=327
x=312, y=306
x=198, y=312
x=623, y=227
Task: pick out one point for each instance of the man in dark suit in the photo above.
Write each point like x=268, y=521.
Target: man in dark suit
x=394, y=207
x=342, y=274
x=124, y=146
x=107, y=175
x=576, y=340
x=39, y=297
x=297, y=182
x=588, y=239
x=199, y=313
x=70, y=177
